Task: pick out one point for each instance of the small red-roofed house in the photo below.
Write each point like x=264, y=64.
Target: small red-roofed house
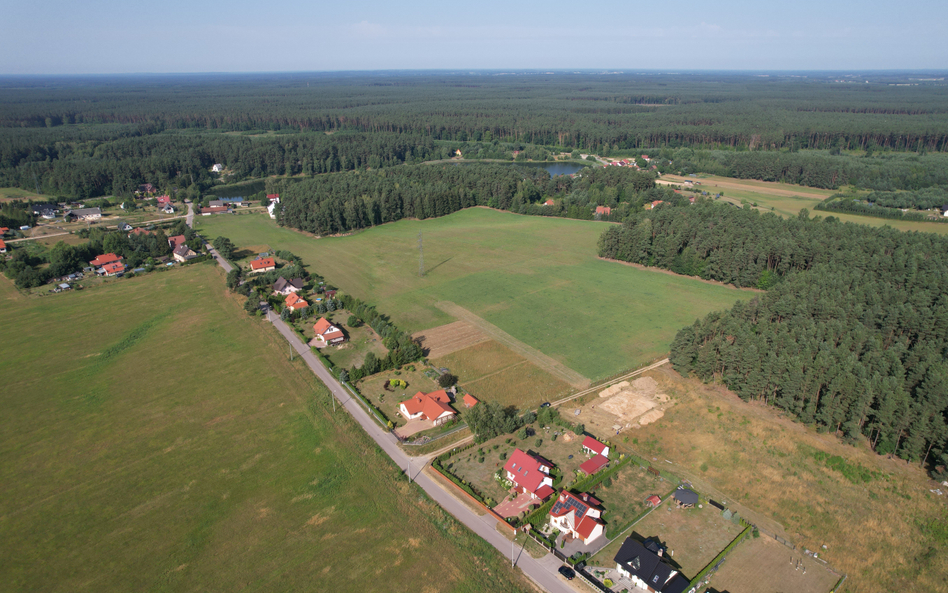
x=593, y=447
x=469, y=400
x=3, y=247
x=530, y=474
x=653, y=501
x=578, y=516
x=113, y=269
x=654, y=204
x=603, y=210
x=295, y=302
x=214, y=210
x=433, y=407
x=591, y=466
x=173, y=242
x=263, y=264
x=328, y=332
x=163, y=201
x=548, y=203
x=102, y=260
x=4, y=230
x=272, y=197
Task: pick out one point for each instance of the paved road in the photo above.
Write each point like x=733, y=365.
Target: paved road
x=542, y=571
x=189, y=219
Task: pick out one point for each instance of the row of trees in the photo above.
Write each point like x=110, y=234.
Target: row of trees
x=852, y=333
x=402, y=349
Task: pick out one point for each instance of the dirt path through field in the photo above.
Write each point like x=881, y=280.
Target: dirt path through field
x=543, y=361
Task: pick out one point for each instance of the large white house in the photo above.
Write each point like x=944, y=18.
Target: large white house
x=433, y=407
x=530, y=474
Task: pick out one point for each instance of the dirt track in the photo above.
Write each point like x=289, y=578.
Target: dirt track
x=543, y=361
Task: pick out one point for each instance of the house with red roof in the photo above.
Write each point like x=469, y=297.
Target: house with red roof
x=4, y=230
x=591, y=466
x=3, y=247
x=548, y=203
x=262, y=264
x=603, y=211
x=102, y=260
x=328, y=332
x=272, y=197
x=654, y=204
x=433, y=407
x=173, y=242
x=530, y=474
x=295, y=302
x=163, y=201
x=578, y=516
x=593, y=447
x=469, y=400
x=653, y=500
x=214, y=210
x=113, y=269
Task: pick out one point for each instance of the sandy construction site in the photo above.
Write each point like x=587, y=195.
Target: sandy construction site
x=627, y=405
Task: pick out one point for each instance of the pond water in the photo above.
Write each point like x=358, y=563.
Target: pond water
x=555, y=169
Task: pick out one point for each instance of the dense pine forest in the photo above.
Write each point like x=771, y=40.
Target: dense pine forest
x=86, y=137
x=852, y=333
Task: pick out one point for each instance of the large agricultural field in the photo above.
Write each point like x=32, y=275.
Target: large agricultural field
x=538, y=279
x=156, y=438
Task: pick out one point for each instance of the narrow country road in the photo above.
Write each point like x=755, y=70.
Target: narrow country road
x=542, y=571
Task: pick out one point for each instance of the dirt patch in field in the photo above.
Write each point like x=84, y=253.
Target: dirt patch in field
x=635, y=404
x=764, y=565
x=445, y=339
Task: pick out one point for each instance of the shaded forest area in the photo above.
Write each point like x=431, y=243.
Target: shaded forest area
x=85, y=137
x=333, y=204
x=852, y=333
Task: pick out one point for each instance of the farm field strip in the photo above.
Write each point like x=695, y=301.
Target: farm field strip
x=532, y=354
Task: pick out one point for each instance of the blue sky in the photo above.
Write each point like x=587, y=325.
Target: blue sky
x=109, y=36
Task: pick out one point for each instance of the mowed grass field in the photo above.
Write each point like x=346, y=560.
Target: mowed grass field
x=536, y=278
x=156, y=438
x=787, y=200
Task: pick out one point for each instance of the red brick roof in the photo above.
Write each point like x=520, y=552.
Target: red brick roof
x=469, y=400
x=586, y=526
x=603, y=210
x=213, y=209
x=431, y=405
x=114, y=268
x=272, y=196
x=591, y=466
x=262, y=264
x=654, y=500
x=104, y=259
x=327, y=330
x=294, y=301
x=3, y=245
x=525, y=469
x=175, y=241
x=593, y=445
x=163, y=200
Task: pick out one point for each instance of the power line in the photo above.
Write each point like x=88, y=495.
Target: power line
x=421, y=257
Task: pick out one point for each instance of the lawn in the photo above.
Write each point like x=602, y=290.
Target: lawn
x=763, y=565
x=468, y=466
x=624, y=499
x=491, y=372
x=886, y=534
x=536, y=278
x=360, y=340
x=157, y=438
x=387, y=401
x=693, y=536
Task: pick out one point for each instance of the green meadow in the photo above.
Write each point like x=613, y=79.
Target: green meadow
x=536, y=278
x=156, y=438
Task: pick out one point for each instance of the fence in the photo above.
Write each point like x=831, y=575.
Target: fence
x=429, y=440
x=489, y=510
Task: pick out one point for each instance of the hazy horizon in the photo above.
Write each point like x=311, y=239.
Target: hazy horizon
x=177, y=37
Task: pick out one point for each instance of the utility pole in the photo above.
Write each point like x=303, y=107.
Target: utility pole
x=409, y=470
x=421, y=257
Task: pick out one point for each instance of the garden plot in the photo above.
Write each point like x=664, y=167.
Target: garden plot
x=763, y=565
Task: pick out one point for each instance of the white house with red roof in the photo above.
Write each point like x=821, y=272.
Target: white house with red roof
x=433, y=407
x=113, y=269
x=102, y=260
x=263, y=264
x=530, y=474
x=328, y=332
x=3, y=247
x=163, y=201
x=295, y=302
x=579, y=516
x=173, y=242
x=594, y=447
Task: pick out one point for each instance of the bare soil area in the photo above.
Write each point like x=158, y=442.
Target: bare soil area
x=445, y=339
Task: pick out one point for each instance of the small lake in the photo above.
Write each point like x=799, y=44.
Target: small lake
x=555, y=169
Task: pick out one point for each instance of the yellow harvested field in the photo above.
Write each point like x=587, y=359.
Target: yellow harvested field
x=445, y=339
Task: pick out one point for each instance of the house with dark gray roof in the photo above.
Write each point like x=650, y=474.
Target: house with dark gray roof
x=285, y=287
x=646, y=568
x=685, y=498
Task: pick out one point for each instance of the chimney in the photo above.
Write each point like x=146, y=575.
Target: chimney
x=585, y=497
